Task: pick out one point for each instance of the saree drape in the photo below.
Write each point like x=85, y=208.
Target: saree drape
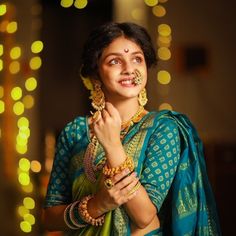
x=169, y=161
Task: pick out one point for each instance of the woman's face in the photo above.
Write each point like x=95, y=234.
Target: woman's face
x=117, y=66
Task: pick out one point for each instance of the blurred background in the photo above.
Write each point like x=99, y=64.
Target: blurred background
x=41, y=91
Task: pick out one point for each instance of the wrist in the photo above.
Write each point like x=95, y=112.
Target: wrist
x=95, y=207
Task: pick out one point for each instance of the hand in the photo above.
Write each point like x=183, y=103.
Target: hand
x=109, y=199
x=107, y=127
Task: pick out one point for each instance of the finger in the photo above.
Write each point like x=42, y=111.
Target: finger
x=121, y=175
x=128, y=180
x=105, y=114
x=129, y=189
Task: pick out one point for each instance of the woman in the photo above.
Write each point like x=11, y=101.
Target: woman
x=127, y=171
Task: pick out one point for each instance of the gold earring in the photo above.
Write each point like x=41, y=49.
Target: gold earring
x=97, y=96
x=142, y=97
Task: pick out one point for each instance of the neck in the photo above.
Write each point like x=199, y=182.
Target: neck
x=127, y=108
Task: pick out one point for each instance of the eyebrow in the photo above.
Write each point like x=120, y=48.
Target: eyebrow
x=121, y=54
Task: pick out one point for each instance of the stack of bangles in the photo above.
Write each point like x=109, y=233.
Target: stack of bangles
x=110, y=172
x=76, y=215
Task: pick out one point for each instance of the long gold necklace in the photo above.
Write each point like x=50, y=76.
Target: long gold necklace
x=89, y=167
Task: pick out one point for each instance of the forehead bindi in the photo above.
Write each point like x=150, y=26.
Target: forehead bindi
x=121, y=46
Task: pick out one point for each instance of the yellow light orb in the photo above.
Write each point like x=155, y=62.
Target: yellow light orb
x=22, y=210
x=80, y=4
x=14, y=67
x=15, y=53
x=37, y=46
x=28, y=188
x=158, y=11
x=1, y=64
x=29, y=218
x=163, y=77
x=36, y=166
x=1, y=50
x=24, y=164
x=29, y=203
x=35, y=63
x=18, y=108
x=21, y=149
x=12, y=27
x=66, y=3
x=151, y=3
x=25, y=226
x=164, y=53
x=165, y=106
x=24, y=178
x=137, y=13
x=28, y=101
x=23, y=122
x=1, y=92
x=3, y=9
x=2, y=106
x=163, y=41
x=31, y=84
x=164, y=30
x=24, y=132
x=21, y=141
x=16, y=93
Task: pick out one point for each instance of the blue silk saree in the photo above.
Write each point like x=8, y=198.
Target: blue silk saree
x=169, y=161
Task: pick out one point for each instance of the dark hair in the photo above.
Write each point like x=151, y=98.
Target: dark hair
x=102, y=36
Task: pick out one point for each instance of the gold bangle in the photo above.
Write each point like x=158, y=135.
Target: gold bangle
x=134, y=189
x=83, y=211
x=110, y=172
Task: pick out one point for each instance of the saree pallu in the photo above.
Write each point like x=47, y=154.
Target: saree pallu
x=169, y=161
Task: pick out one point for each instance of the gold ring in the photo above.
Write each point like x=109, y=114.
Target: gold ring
x=108, y=183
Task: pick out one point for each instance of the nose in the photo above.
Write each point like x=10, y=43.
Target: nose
x=127, y=68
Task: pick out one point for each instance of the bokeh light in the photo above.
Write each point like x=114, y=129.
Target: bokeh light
x=11, y=27
x=1, y=50
x=16, y=93
x=23, y=122
x=164, y=30
x=151, y=3
x=24, y=178
x=66, y=3
x=35, y=63
x=29, y=218
x=18, y=108
x=80, y=4
x=28, y=101
x=31, y=84
x=1, y=92
x=165, y=106
x=164, y=53
x=36, y=166
x=29, y=203
x=2, y=106
x=37, y=46
x=15, y=53
x=3, y=9
x=25, y=226
x=158, y=11
x=14, y=67
x=163, y=77
x=24, y=164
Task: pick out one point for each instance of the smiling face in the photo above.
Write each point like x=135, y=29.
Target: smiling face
x=117, y=66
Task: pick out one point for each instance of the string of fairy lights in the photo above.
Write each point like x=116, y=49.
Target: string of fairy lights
x=163, y=40
x=17, y=99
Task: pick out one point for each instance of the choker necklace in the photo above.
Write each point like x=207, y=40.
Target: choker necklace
x=90, y=154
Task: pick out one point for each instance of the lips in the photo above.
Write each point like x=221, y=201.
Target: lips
x=127, y=81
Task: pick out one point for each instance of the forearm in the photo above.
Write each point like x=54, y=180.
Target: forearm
x=140, y=209
x=53, y=218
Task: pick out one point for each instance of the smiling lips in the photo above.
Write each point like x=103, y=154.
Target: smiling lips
x=127, y=82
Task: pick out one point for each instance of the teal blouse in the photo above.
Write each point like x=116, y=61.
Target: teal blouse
x=169, y=160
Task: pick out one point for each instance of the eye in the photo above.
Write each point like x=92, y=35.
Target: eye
x=114, y=61
x=138, y=59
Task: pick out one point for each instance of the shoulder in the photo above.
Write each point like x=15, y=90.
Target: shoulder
x=74, y=130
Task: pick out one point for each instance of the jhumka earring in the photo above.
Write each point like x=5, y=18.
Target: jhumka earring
x=142, y=97
x=98, y=98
